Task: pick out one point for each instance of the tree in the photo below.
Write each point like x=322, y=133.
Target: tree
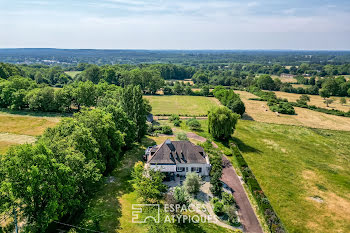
x=167, y=90
x=178, y=89
x=84, y=94
x=236, y=105
x=221, y=122
x=192, y=183
x=180, y=195
x=205, y=91
x=342, y=100
x=92, y=74
x=122, y=123
x=328, y=102
x=41, y=99
x=136, y=108
x=324, y=93
x=193, y=124
x=148, y=183
x=104, y=131
x=265, y=82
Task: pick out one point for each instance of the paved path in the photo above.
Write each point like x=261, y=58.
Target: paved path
x=246, y=213
x=229, y=176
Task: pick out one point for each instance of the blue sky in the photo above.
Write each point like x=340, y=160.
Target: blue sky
x=177, y=24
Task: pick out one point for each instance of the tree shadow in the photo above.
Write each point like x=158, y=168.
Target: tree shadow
x=35, y=113
x=247, y=117
x=244, y=147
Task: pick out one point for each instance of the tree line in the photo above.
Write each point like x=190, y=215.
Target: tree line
x=53, y=178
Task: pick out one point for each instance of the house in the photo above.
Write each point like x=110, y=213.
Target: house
x=176, y=158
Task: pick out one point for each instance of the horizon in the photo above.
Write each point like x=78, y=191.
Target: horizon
x=223, y=50
x=181, y=25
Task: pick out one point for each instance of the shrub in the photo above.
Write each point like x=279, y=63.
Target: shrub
x=177, y=123
x=167, y=130
x=180, y=196
x=193, y=124
x=174, y=117
x=192, y=183
x=182, y=137
x=228, y=199
x=231, y=215
x=218, y=208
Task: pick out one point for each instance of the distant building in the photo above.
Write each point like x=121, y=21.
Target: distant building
x=176, y=158
x=284, y=75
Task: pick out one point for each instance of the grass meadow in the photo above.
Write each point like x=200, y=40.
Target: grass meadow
x=19, y=129
x=182, y=105
x=305, y=172
x=259, y=111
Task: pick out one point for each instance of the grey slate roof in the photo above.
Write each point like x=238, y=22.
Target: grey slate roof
x=177, y=152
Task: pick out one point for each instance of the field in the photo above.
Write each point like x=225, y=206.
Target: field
x=301, y=85
x=72, y=73
x=304, y=172
x=259, y=111
x=182, y=105
x=183, y=81
x=284, y=79
x=317, y=101
x=16, y=129
x=112, y=205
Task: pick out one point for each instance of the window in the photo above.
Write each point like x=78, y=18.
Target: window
x=186, y=169
x=180, y=169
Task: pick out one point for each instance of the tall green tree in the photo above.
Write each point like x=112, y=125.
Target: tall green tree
x=135, y=107
x=222, y=122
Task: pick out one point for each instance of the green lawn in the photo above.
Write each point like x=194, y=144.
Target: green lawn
x=111, y=208
x=304, y=172
x=182, y=105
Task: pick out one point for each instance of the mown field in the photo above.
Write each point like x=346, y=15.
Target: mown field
x=304, y=172
x=317, y=101
x=18, y=129
x=259, y=111
x=182, y=105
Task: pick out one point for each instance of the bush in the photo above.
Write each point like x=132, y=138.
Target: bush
x=192, y=183
x=218, y=208
x=180, y=196
x=177, y=123
x=193, y=124
x=167, y=130
x=182, y=137
x=228, y=199
x=231, y=215
x=174, y=117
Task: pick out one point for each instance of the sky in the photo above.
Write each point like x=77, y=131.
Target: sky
x=176, y=24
